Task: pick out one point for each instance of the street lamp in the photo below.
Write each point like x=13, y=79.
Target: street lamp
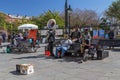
x=66, y=16
x=69, y=10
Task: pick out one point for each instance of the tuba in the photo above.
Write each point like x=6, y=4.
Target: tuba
x=51, y=23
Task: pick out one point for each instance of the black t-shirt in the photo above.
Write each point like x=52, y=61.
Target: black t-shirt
x=75, y=34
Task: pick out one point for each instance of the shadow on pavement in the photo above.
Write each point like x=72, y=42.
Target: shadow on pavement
x=115, y=50
x=66, y=59
x=75, y=59
x=15, y=73
x=31, y=57
x=63, y=59
x=16, y=53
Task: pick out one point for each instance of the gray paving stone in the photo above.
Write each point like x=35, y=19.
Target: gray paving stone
x=59, y=69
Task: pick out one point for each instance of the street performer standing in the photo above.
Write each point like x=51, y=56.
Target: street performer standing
x=51, y=35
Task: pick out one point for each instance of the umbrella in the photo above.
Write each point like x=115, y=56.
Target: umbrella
x=28, y=26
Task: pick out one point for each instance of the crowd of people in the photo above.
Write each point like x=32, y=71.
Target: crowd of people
x=15, y=38
x=76, y=36
x=3, y=37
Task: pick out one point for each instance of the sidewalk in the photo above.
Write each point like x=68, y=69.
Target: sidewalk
x=67, y=68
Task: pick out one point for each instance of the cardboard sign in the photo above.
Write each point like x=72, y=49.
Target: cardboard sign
x=25, y=68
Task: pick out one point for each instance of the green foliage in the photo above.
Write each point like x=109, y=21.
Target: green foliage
x=105, y=27
x=114, y=10
x=42, y=20
x=104, y=24
x=2, y=19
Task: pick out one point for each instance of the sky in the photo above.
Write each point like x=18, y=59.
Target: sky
x=36, y=7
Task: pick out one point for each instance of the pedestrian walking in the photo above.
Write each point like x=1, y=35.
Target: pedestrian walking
x=111, y=37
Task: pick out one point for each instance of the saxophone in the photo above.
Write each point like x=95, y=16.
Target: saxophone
x=82, y=45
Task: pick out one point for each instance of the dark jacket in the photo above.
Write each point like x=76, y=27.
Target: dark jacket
x=111, y=35
x=51, y=36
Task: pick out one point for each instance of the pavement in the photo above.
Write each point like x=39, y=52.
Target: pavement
x=67, y=68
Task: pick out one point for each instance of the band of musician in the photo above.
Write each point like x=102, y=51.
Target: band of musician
x=84, y=39
x=76, y=37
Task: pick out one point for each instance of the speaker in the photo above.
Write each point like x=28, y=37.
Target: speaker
x=101, y=54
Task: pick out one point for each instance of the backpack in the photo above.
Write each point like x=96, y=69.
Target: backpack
x=51, y=37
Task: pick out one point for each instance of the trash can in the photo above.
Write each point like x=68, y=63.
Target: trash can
x=8, y=50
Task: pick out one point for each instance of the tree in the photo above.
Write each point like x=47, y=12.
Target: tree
x=104, y=23
x=83, y=17
x=2, y=19
x=42, y=20
x=114, y=10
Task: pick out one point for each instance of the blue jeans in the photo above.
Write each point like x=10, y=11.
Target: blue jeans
x=63, y=50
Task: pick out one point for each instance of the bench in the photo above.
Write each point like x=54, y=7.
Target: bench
x=76, y=50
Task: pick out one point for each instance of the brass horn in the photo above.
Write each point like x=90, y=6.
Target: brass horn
x=51, y=23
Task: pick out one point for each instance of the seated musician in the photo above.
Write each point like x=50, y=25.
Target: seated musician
x=75, y=35
x=65, y=44
x=86, y=39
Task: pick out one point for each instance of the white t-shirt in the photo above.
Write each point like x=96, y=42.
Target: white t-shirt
x=0, y=37
x=87, y=37
x=66, y=43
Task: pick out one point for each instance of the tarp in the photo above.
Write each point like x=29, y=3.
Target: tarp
x=28, y=26
x=106, y=36
x=32, y=34
x=101, y=33
x=95, y=34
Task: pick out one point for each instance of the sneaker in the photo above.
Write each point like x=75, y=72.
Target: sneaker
x=60, y=57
